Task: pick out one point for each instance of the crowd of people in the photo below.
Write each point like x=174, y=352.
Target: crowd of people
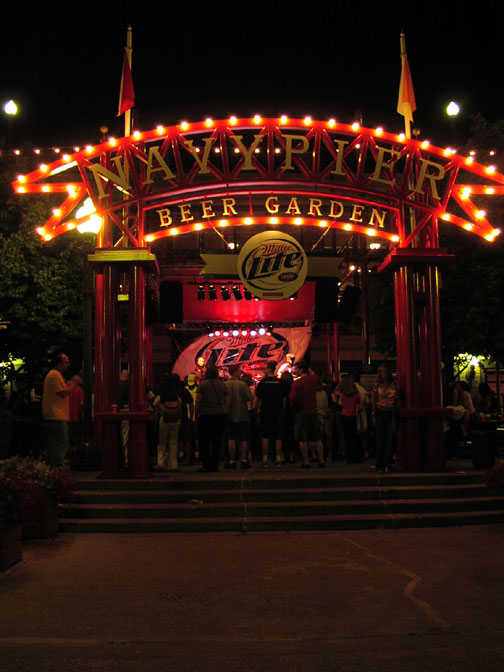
x=298, y=415
x=288, y=414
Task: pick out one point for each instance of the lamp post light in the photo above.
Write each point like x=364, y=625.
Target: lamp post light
x=453, y=111
x=11, y=109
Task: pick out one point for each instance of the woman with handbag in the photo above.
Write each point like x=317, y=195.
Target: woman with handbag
x=211, y=412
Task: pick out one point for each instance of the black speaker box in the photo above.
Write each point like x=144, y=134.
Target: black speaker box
x=326, y=300
x=170, y=302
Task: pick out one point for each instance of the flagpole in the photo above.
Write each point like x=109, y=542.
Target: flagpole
x=129, y=53
x=407, y=124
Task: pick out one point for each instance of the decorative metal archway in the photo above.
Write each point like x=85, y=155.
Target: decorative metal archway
x=192, y=177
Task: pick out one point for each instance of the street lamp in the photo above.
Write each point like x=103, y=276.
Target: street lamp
x=452, y=109
x=11, y=109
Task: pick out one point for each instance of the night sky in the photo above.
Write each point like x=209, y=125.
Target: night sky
x=62, y=63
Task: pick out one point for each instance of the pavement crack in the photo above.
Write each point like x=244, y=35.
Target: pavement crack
x=413, y=582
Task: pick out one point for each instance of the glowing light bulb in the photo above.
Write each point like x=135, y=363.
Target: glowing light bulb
x=149, y=239
x=323, y=223
x=173, y=232
x=298, y=221
x=43, y=167
x=273, y=220
x=490, y=169
x=208, y=122
x=137, y=135
x=233, y=120
x=223, y=222
x=331, y=123
x=355, y=126
x=371, y=232
x=248, y=221
x=401, y=137
x=489, y=190
x=348, y=227
x=184, y=125
x=480, y=214
x=307, y=121
x=89, y=149
x=112, y=142
x=395, y=239
x=257, y=119
x=425, y=144
x=379, y=130
x=198, y=227
x=159, y=131
x=283, y=119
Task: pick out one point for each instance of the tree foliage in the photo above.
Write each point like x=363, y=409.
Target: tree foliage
x=40, y=283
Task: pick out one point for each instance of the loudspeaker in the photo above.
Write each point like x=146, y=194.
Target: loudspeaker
x=326, y=300
x=170, y=302
x=348, y=304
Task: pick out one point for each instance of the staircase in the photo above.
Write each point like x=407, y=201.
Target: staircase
x=280, y=500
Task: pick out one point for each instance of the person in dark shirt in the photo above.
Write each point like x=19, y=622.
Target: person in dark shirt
x=270, y=404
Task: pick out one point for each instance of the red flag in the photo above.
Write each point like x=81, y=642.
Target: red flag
x=127, y=92
x=406, y=104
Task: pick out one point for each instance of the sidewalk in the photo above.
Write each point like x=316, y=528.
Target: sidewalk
x=409, y=600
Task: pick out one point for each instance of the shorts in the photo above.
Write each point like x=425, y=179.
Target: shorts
x=271, y=426
x=307, y=427
x=239, y=431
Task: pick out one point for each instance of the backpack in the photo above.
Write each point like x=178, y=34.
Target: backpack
x=171, y=411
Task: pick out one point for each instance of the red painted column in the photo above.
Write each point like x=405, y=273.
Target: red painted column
x=98, y=359
x=408, y=448
x=336, y=352
x=138, y=460
x=110, y=366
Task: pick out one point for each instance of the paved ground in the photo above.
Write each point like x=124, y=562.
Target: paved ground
x=407, y=600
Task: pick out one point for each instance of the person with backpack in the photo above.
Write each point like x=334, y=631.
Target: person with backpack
x=169, y=414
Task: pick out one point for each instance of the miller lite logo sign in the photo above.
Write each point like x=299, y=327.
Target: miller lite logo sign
x=272, y=265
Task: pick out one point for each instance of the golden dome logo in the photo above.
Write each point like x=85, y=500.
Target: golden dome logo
x=272, y=265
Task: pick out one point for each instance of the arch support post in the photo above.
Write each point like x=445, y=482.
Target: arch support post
x=418, y=343
x=109, y=264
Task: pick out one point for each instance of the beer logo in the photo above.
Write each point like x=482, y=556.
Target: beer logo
x=252, y=352
x=272, y=265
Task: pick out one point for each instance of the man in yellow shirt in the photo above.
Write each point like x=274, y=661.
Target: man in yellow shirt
x=55, y=411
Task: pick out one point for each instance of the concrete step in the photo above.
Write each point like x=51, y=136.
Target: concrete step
x=286, y=509
x=281, y=524
x=279, y=499
x=275, y=479
x=278, y=495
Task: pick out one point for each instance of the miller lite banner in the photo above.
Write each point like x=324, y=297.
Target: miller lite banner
x=251, y=352
x=272, y=265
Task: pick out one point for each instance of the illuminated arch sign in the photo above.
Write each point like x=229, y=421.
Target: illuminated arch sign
x=239, y=172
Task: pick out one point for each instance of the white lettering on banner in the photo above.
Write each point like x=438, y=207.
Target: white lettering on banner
x=251, y=352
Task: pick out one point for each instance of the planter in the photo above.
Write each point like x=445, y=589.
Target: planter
x=45, y=524
x=10, y=545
